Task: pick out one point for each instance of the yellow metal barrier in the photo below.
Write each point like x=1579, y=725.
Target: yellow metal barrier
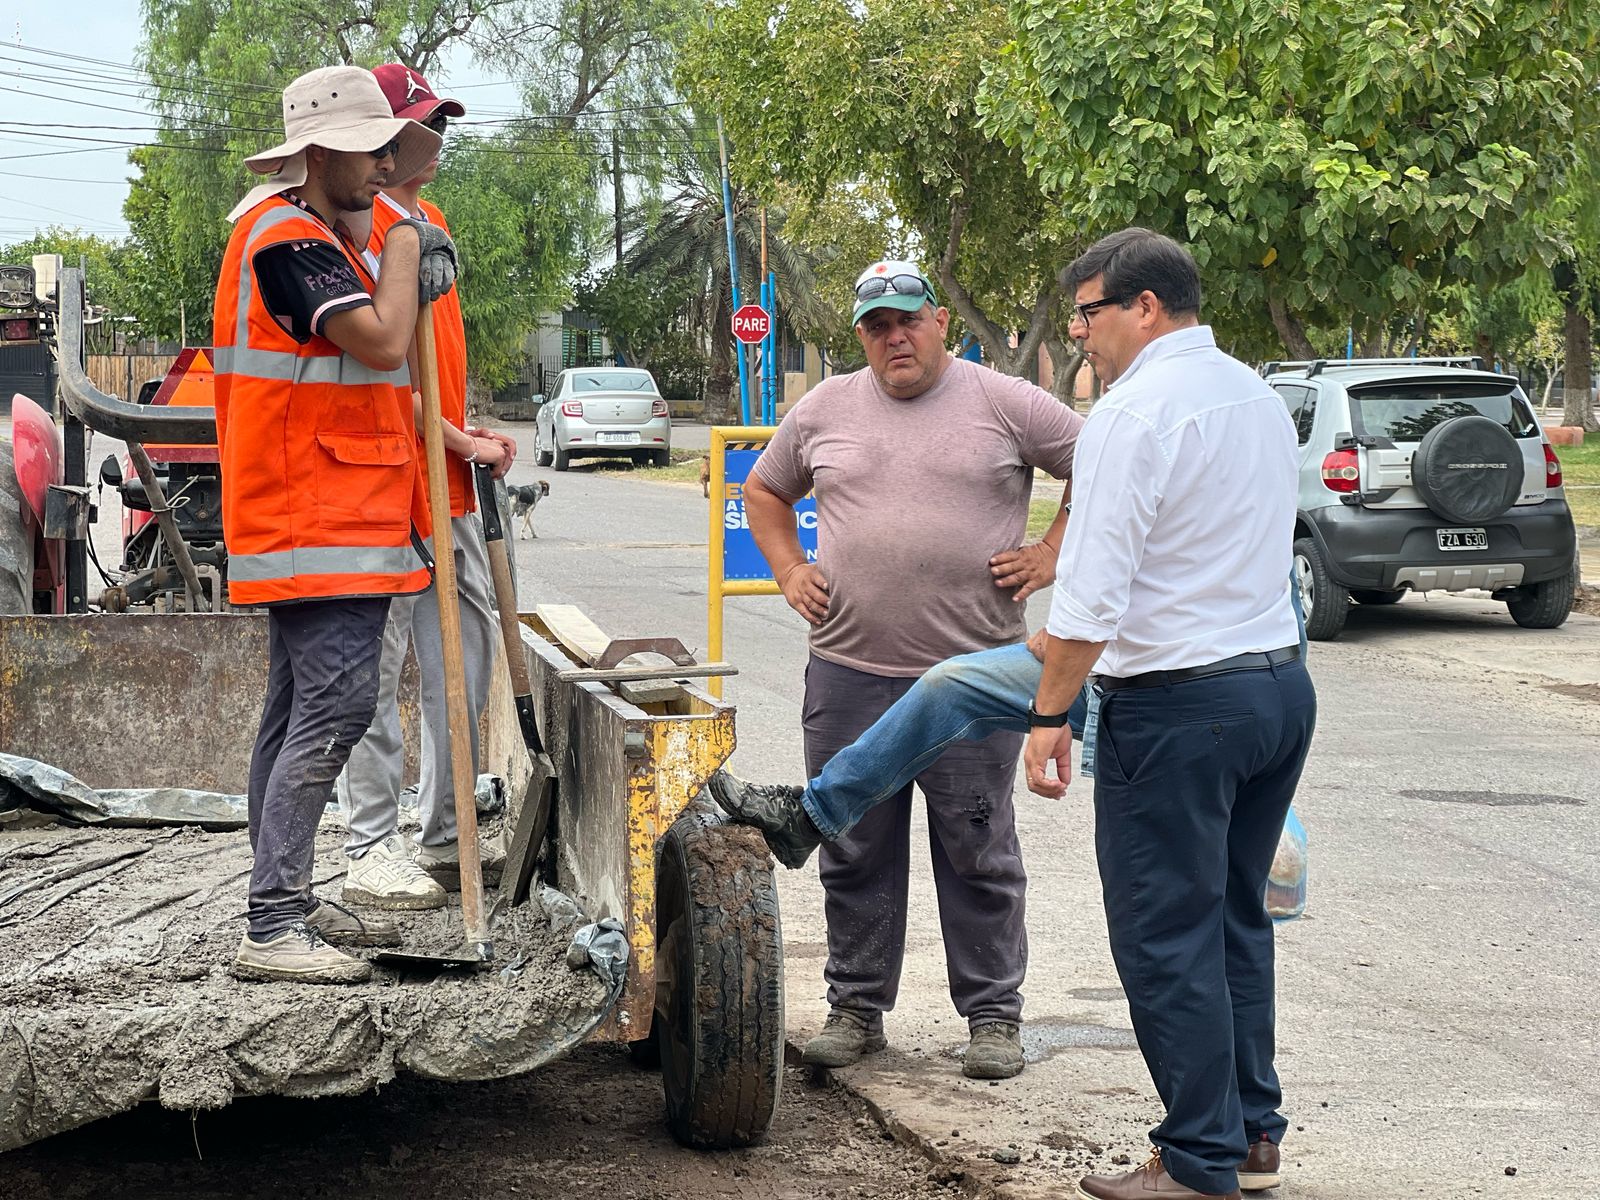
x=718, y=588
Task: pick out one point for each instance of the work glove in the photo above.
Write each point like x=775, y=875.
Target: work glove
x=436, y=260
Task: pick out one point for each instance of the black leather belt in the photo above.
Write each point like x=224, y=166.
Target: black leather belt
x=1239, y=662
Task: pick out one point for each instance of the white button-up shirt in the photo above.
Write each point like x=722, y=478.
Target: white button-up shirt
x=1184, y=491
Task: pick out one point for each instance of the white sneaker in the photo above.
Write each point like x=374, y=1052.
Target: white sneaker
x=385, y=877
x=298, y=955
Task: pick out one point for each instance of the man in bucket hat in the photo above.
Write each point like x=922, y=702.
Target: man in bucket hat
x=382, y=871
x=322, y=509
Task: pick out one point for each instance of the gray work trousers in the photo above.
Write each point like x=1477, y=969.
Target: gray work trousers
x=977, y=862
x=322, y=688
x=369, y=789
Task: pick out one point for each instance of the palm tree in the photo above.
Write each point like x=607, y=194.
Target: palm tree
x=684, y=235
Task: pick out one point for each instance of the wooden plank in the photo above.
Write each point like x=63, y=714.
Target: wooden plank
x=670, y=671
x=574, y=630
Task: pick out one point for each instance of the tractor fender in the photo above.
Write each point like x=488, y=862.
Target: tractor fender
x=38, y=457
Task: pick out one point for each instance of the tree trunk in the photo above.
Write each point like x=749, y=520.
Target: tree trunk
x=1290, y=330
x=1578, y=370
x=1066, y=360
x=721, y=398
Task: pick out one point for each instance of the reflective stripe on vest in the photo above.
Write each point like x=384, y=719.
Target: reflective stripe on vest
x=324, y=560
x=294, y=368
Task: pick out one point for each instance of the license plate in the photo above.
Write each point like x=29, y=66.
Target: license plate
x=619, y=439
x=1463, y=539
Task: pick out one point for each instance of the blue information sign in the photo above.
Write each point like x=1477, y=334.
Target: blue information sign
x=740, y=557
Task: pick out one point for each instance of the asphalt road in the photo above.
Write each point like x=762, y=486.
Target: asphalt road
x=1436, y=1001
x=1436, y=1021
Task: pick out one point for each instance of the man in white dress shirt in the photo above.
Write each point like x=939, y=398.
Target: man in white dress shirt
x=1171, y=588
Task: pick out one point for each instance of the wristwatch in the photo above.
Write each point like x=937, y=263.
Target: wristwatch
x=1039, y=720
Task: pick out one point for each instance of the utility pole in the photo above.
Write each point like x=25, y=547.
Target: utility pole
x=183, y=326
x=616, y=189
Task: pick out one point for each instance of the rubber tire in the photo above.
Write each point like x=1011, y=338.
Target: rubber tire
x=1373, y=599
x=1545, y=605
x=560, y=459
x=719, y=990
x=1330, y=603
x=661, y=458
x=1467, y=501
x=541, y=456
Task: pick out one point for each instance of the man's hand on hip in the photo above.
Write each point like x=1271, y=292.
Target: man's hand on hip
x=806, y=590
x=1027, y=568
x=1046, y=746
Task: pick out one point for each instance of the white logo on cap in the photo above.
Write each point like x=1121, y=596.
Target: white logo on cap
x=413, y=86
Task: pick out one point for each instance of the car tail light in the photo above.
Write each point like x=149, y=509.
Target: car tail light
x=1341, y=471
x=658, y=408
x=1552, y=467
x=572, y=408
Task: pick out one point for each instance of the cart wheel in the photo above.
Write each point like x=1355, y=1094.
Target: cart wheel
x=719, y=982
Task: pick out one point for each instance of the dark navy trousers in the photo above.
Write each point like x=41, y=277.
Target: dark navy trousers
x=1192, y=784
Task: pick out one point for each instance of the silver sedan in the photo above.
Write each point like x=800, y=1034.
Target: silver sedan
x=597, y=411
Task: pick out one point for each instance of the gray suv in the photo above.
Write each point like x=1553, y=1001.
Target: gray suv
x=1423, y=474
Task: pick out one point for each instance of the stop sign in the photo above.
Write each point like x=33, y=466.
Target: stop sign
x=751, y=323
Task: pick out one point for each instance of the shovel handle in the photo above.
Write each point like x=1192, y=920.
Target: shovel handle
x=455, y=675
x=505, y=605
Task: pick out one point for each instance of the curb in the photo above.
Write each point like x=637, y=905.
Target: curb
x=971, y=1177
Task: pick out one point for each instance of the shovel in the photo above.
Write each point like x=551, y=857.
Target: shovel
x=479, y=949
x=533, y=818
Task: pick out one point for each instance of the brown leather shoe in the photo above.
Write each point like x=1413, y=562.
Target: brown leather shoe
x=1149, y=1182
x=1261, y=1167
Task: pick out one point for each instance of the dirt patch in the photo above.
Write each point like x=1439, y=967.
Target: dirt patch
x=114, y=988
x=588, y=1127
x=1587, y=600
x=1576, y=691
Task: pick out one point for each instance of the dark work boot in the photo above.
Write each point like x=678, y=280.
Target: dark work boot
x=845, y=1037
x=995, y=1052
x=773, y=808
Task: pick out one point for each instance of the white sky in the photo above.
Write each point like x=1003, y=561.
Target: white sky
x=84, y=189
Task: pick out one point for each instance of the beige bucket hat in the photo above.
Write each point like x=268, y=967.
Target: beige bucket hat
x=337, y=108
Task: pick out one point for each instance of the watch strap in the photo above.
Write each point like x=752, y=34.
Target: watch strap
x=1038, y=720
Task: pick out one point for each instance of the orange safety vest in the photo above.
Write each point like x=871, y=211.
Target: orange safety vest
x=319, y=472
x=449, y=339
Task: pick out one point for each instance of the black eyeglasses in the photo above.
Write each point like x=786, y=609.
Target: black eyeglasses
x=438, y=123
x=900, y=285
x=388, y=150
x=1083, y=310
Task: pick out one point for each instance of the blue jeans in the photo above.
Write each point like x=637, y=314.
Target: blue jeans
x=963, y=698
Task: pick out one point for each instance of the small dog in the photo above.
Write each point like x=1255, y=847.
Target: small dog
x=525, y=498
x=705, y=476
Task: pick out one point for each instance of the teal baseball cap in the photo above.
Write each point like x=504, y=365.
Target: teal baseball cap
x=892, y=283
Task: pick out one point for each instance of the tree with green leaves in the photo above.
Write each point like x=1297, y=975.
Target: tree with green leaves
x=106, y=263
x=638, y=309
x=684, y=236
x=880, y=95
x=522, y=200
x=1331, y=162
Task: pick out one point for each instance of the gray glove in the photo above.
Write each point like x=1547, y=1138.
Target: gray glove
x=436, y=260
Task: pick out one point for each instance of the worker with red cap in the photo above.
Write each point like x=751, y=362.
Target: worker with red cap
x=383, y=871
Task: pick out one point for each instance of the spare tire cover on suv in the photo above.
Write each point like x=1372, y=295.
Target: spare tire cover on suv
x=1468, y=469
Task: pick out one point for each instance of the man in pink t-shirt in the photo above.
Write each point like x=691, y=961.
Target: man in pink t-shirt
x=922, y=466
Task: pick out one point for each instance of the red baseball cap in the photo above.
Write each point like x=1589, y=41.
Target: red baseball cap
x=410, y=96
